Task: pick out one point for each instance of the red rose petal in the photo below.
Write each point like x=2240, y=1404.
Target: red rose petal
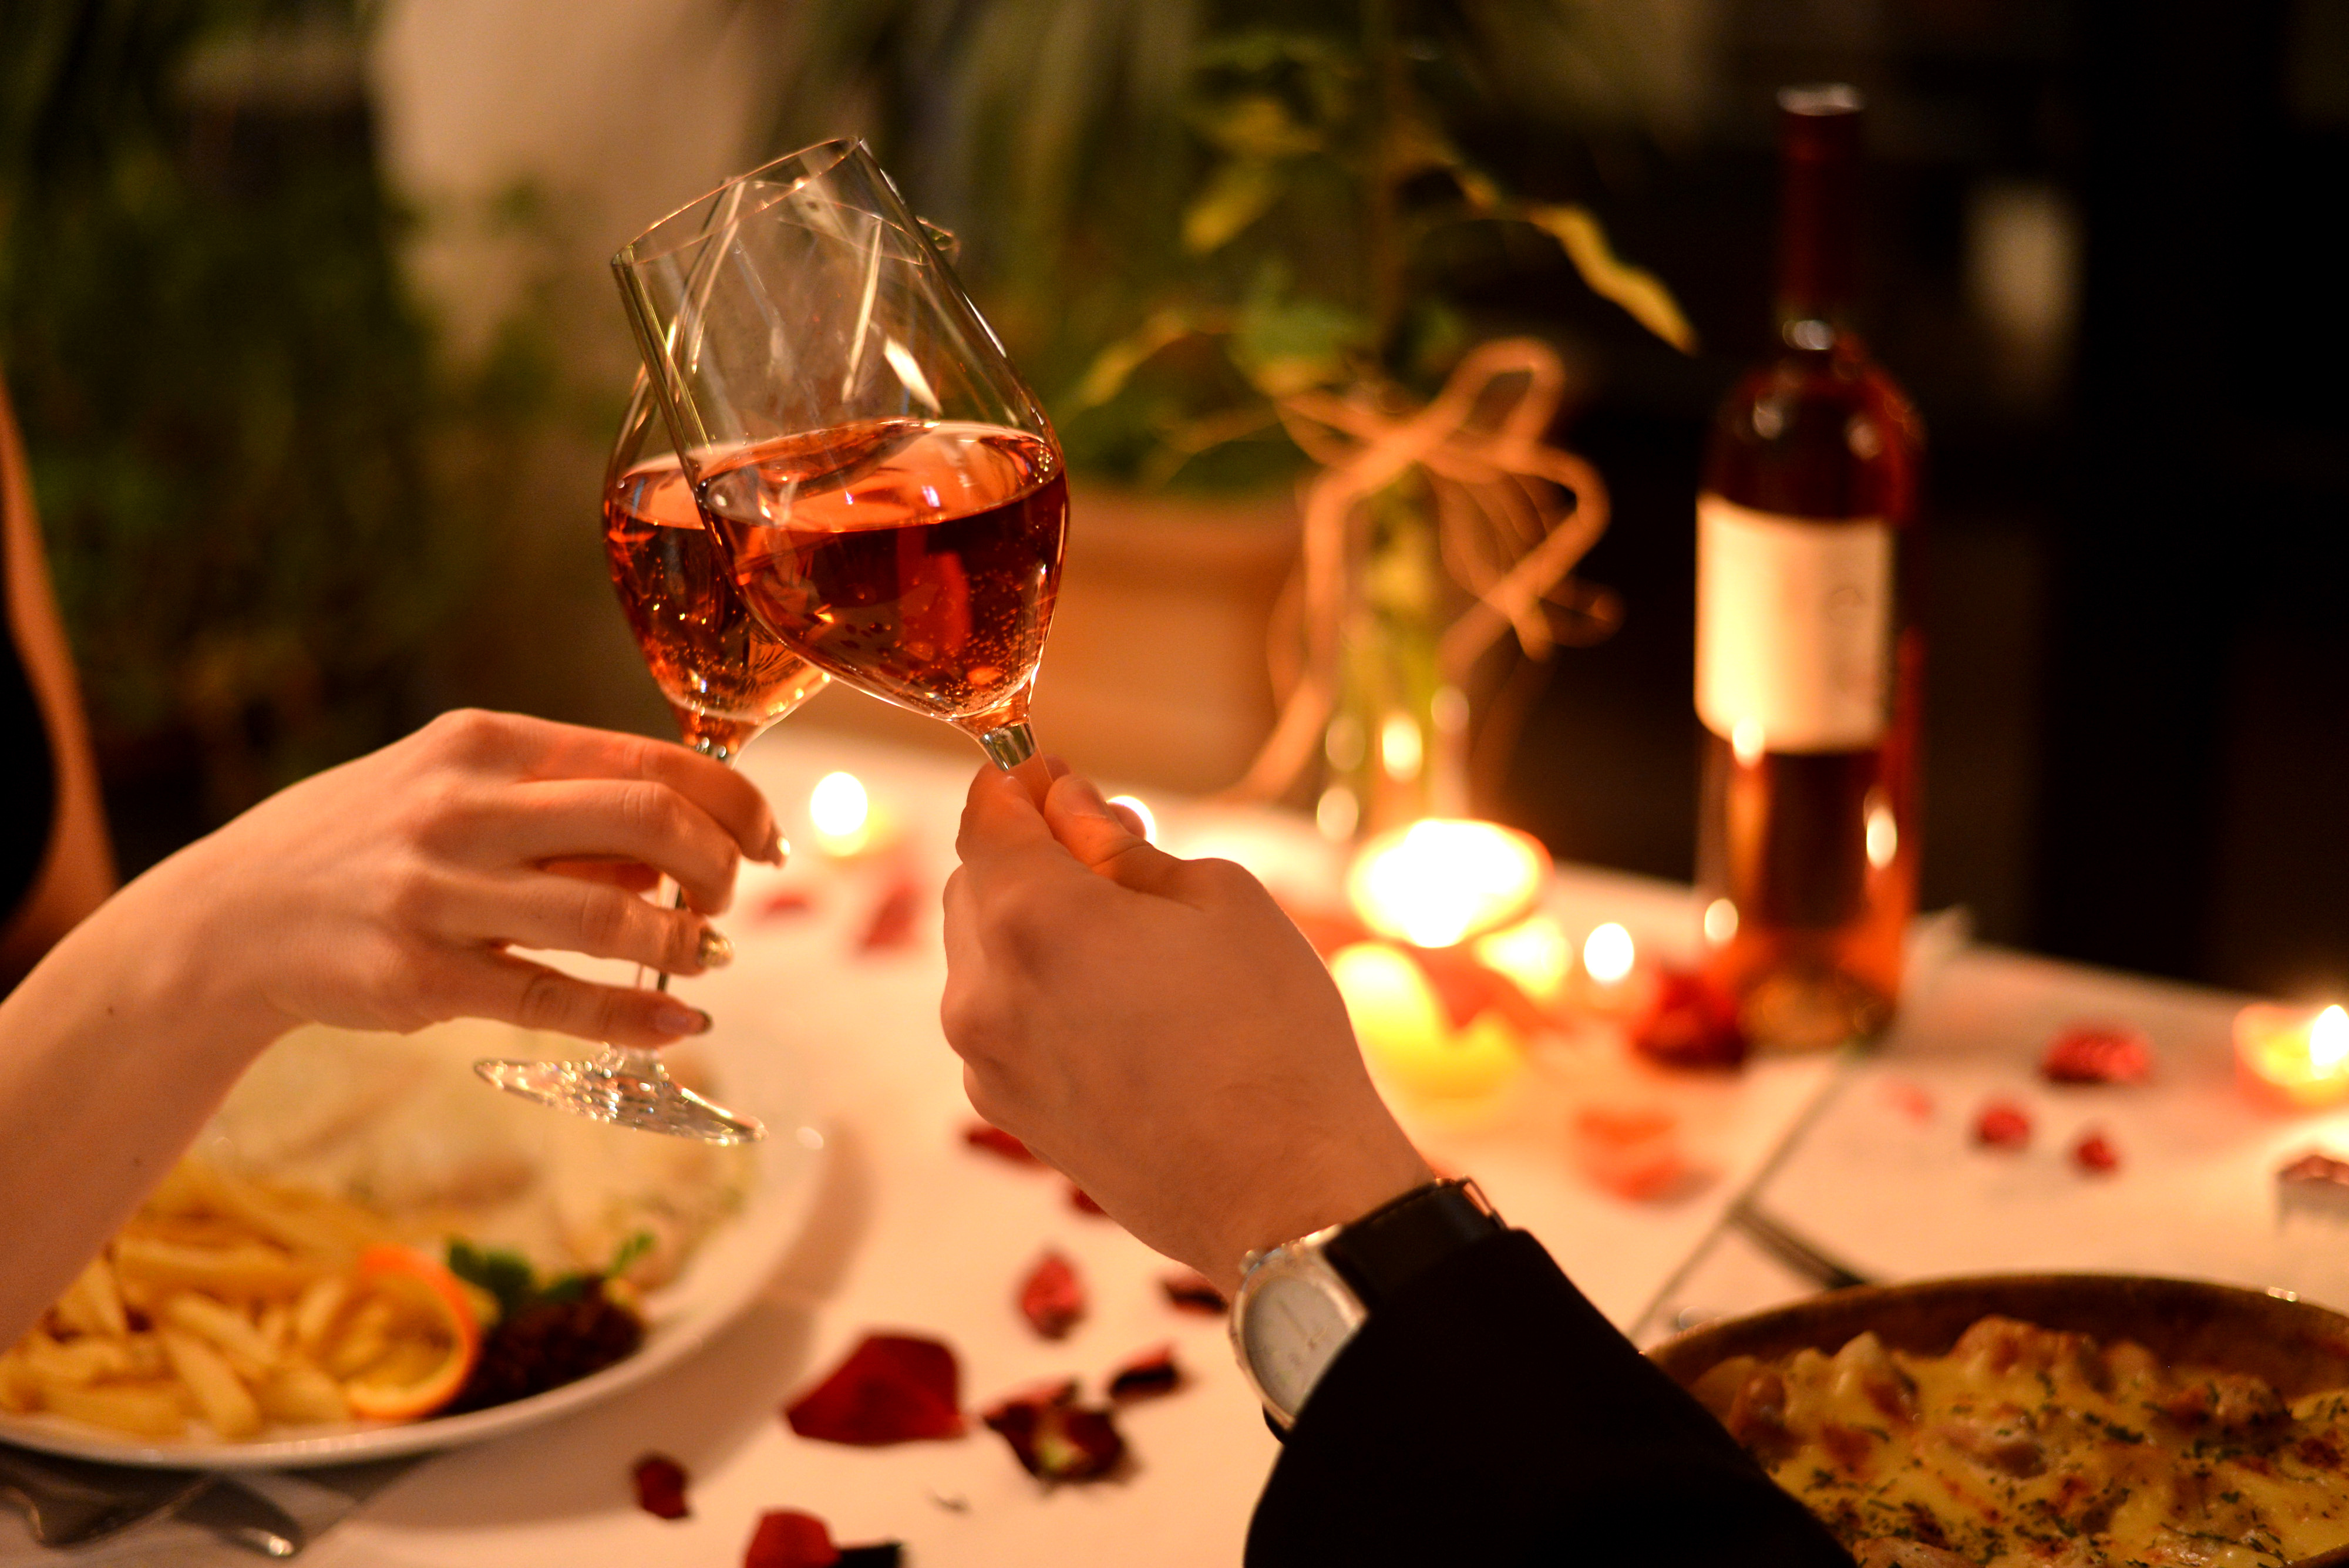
x=1055, y=1439
x=2098, y=1053
x=660, y=1487
x=1693, y=1023
x=2317, y=1169
x=1146, y=1377
x=784, y=903
x=995, y=1140
x=2095, y=1152
x=787, y=1538
x=1052, y=1298
x=1083, y=1201
x=893, y=1389
x=2002, y=1124
x=1192, y=1292
x=1633, y=1152
x=1910, y=1099
x=892, y=925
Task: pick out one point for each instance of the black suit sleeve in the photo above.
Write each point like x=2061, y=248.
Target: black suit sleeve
x=1489, y=1414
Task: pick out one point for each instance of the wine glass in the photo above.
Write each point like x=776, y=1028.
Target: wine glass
x=726, y=679
x=890, y=493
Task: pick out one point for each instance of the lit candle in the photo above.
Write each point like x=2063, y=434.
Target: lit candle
x=1440, y=882
x=846, y=822
x=2291, y=1059
x=1534, y=955
x=1402, y=1025
x=1610, y=981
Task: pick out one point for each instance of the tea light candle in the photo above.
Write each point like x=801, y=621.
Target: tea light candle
x=1610, y=981
x=2291, y=1059
x=1533, y=954
x=1440, y=882
x=847, y=824
x=1404, y=1033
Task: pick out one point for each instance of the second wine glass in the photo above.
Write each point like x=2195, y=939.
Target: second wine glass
x=726, y=679
x=892, y=496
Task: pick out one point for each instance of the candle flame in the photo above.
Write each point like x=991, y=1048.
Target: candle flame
x=1607, y=954
x=2328, y=1039
x=1440, y=882
x=838, y=805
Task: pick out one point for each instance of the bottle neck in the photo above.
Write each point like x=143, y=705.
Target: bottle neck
x=1818, y=213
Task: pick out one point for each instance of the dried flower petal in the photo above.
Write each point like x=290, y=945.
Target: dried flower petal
x=660, y=1487
x=995, y=1140
x=1145, y=1376
x=874, y=1555
x=893, y=1389
x=2098, y=1053
x=1633, y=1152
x=1693, y=1023
x=784, y=903
x=1083, y=1201
x=1056, y=1439
x=1052, y=1298
x=787, y=1538
x=892, y=925
x=1191, y=1291
x=2003, y=1125
x=2095, y=1152
x=2315, y=1168
x=1911, y=1100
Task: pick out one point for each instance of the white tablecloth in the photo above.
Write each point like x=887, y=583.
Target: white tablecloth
x=916, y=1231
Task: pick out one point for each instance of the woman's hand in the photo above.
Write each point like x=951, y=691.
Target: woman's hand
x=1158, y=1030
x=384, y=893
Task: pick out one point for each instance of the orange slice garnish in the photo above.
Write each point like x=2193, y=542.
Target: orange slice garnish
x=430, y=1337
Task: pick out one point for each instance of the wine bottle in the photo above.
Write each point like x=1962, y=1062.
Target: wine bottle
x=1810, y=663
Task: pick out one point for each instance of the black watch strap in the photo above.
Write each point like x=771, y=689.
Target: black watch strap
x=1387, y=1248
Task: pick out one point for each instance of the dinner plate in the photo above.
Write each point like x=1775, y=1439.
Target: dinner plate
x=2297, y=1346
x=725, y=1274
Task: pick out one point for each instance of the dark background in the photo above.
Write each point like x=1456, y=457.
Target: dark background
x=2137, y=728
x=2137, y=732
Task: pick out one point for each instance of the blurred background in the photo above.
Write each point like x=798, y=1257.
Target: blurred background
x=303, y=310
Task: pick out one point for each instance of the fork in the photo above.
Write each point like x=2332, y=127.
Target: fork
x=69, y=1503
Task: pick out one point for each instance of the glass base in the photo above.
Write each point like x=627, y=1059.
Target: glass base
x=627, y=1099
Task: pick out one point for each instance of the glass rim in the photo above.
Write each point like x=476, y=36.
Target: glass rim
x=824, y=157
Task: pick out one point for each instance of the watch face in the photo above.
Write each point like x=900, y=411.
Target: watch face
x=1293, y=1328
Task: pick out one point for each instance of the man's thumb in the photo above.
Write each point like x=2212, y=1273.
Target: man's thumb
x=1107, y=839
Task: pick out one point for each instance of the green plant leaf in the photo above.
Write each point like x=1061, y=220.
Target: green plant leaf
x=1257, y=126
x=1115, y=366
x=1642, y=294
x=1284, y=345
x=1236, y=196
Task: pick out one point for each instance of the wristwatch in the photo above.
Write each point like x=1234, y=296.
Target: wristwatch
x=1301, y=1302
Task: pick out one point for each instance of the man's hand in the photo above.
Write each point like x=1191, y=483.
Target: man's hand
x=1158, y=1030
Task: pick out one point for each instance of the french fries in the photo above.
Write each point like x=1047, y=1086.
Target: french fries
x=229, y=1302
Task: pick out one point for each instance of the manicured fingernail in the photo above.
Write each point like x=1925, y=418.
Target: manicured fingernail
x=672, y=1017
x=777, y=850
x=1085, y=800
x=714, y=951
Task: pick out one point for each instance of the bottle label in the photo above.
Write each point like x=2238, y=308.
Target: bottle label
x=1794, y=630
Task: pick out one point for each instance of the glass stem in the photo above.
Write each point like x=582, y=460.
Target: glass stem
x=642, y=1060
